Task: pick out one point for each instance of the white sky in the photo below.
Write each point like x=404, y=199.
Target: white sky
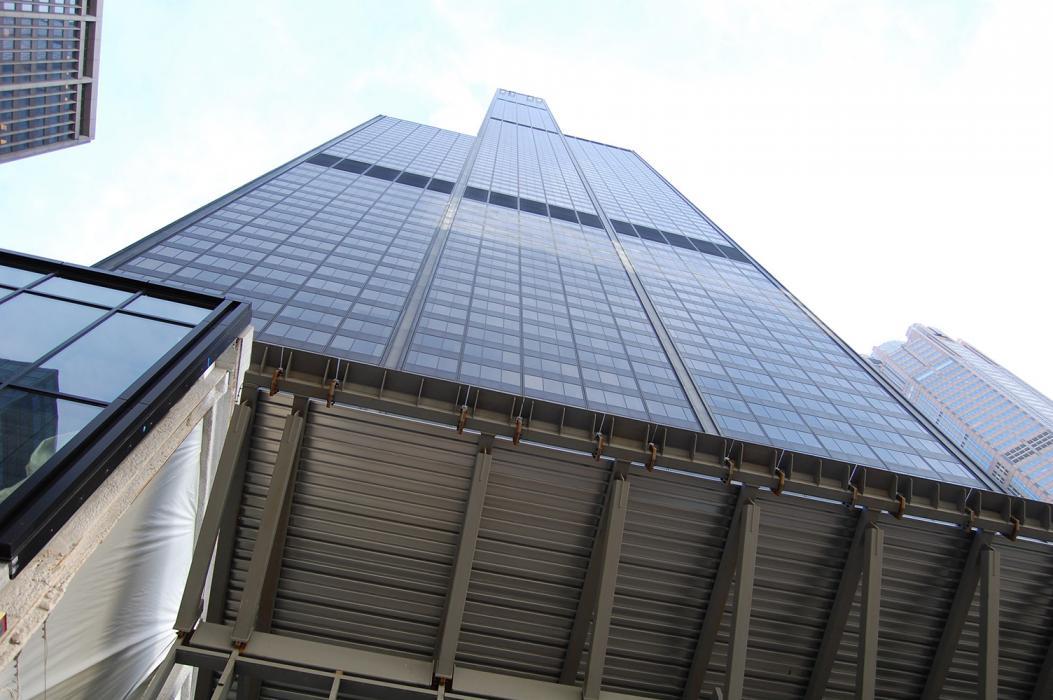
x=889, y=162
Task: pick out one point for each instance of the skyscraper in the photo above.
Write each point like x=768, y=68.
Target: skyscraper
x=520, y=422
x=49, y=65
x=543, y=265
x=999, y=420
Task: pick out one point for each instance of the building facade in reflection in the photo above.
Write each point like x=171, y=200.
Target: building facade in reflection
x=28, y=427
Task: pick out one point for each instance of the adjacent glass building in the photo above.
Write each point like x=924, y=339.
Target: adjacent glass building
x=1004, y=424
x=49, y=64
x=88, y=363
x=548, y=266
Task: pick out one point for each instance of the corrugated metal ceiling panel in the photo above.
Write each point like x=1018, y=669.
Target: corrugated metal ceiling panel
x=540, y=516
x=377, y=509
x=263, y=449
x=801, y=554
x=373, y=529
x=674, y=536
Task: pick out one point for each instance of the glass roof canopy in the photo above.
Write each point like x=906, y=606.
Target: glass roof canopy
x=89, y=361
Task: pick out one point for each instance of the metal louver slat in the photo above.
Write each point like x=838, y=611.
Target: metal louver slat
x=1027, y=570
x=673, y=539
x=799, y=567
x=263, y=450
x=372, y=532
x=539, y=519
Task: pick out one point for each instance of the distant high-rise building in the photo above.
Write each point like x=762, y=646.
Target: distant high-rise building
x=49, y=64
x=544, y=265
x=995, y=417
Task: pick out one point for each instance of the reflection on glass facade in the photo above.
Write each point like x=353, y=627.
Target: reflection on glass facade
x=48, y=63
x=541, y=265
x=68, y=348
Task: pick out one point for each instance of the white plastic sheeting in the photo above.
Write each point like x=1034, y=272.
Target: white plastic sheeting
x=114, y=623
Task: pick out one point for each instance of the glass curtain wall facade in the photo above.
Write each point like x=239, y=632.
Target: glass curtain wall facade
x=49, y=59
x=548, y=266
x=999, y=420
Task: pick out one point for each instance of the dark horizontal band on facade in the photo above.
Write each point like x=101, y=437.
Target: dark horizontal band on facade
x=380, y=172
x=678, y=240
x=622, y=227
x=527, y=126
x=531, y=206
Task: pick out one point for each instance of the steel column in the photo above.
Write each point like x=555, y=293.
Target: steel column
x=738, y=642
x=1044, y=681
x=457, y=593
x=990, y=596
x=956, y=616
x=590, y=586
x=335, y=690
x=230, y=460
x=869, y=614
x=365, y=674
x=718, y=599
x=160, y=674
x=249, y=688
x=225, y=678
x=839, y=610
x=601, y=623
x=266, y=538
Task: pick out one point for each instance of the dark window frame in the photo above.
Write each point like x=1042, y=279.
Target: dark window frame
x=41, y=505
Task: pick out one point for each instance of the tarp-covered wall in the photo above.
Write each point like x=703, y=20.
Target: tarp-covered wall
x=114, y=624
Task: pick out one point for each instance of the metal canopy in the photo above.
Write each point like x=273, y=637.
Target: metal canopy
x=411, y=551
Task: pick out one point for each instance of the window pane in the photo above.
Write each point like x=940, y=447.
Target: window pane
x=82, y=291
x=14, y=277
x=32, y=428
x=107, y=359
x=31, y=326
x=169, y=309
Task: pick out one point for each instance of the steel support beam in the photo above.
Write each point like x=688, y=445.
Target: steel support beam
x=990, y=597
x=457, y=593
x=249, y=688
x=869, y=613
x=264, y=551
x=338, y=677
x=839, y=610
x=601, y=623
x=718, y=599
x=590, y=586
x=159, y=675
x=745, y=568
x=413, y=396
x=956, y=616
x=231, y=459
x=226, y=677
x=365, y=674
x=1044, y=681
x=215, y=606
